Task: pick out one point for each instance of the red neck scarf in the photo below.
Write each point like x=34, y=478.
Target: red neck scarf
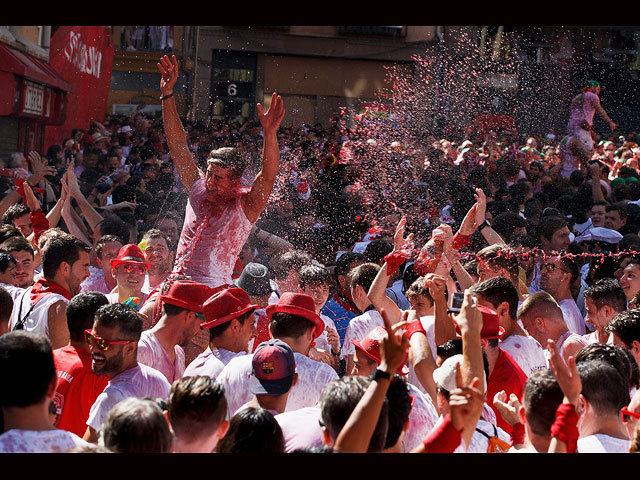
x=43, y=287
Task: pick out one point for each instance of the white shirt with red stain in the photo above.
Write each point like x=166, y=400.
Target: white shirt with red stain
x=210, y=362
x=526, y=351
x=313, y=376
x=208, y=255
x=153, y=354
x=422, y=418
x=141, y=381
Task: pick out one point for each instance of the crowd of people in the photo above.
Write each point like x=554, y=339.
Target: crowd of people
x=176, y=286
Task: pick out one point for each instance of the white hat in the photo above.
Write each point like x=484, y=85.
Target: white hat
x=601, y=234
x=445, y=374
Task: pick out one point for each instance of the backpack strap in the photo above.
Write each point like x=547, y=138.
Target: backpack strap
x=21, y=320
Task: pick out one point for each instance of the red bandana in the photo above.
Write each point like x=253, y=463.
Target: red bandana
x=43, y=287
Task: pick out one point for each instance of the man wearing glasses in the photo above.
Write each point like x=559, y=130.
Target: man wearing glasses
x=129, y=269
x=557, y=277
x=113, y=343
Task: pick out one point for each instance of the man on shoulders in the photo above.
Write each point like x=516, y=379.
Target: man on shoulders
x=219, y=214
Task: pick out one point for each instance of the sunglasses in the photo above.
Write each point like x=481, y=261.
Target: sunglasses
x=550, y=267
x=627, y=414
x=101, y=343
x=133, y=267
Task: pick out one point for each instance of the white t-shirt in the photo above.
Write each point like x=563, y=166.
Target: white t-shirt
x=38, y=320
x=359, y=327
x=313, y=376
x=141, y=381
x=422, y=418
x=300, y=428
x=14, y=291
x=153, y=354
x=526, y=351
x=210, y=362
x=601, y=443
x=39, y=441
x=572, y=316
x=321, y=341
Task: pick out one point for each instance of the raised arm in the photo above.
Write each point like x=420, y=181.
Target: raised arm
x=377, y=291
x=173, y=129
x=254, y=202
x=357, y=431
x=91, y=215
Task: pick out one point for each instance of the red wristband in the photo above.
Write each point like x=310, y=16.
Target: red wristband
x=517, y=434
x=565, y=428
x=414, y=327
x=460, y=240
x=393, y=260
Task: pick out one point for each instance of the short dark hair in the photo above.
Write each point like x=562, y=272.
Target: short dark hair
x=346, y=259
x=288, y=325
x=607, y=291
x=621, y=208
x=124, y=318
x=103, y=240
x=626, y=326
x=229, y=158
x=196, y=406
x=113, y=225
x=17, y=244
x=363, y=275
x=81, y=312
x=541, y=398
x=61, y=249
x=418, y=287
x=26, y=368
x=123, y=193
x=603, y=386
x=155, y=233
x=136, y=425
x=313, y=274
x=292, y=259
x=6, y=259
x=377, y=249
x=614, y=355
x=338, y=400
x=548, y=225
x=7, y=231
x=506, y=223
x=252, y=430
x=497, y=290
x=15, y=211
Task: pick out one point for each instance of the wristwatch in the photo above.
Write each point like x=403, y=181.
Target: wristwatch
x=377, y=374
x=483, y=224
x=336, y=354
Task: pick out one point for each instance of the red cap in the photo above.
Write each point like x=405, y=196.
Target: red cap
x=370, y=346
x=129, y=254
x=226, y=305
x=187, y=294
x=298, y=304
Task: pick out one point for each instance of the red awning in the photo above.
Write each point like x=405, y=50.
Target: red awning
x=14, y=61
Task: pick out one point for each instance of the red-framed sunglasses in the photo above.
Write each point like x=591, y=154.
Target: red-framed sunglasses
x=100, y=342
x=134, y=267
x=626, y=414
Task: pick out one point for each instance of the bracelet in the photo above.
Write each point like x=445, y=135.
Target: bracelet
x=336, y=354
x=380, y=374
x=166, y=96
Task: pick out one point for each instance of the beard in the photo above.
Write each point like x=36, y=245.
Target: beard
x=106, y=365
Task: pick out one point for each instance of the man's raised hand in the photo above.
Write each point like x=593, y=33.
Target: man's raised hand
x=270, y=120
x=169, y=69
